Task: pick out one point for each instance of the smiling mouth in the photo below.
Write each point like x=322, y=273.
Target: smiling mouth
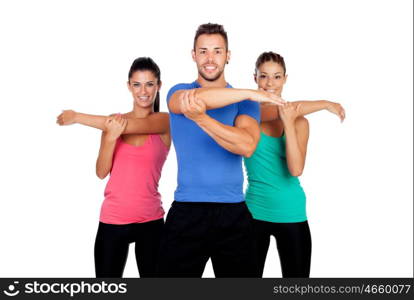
x=143, y=98
x=210, y=68
x=270, y=91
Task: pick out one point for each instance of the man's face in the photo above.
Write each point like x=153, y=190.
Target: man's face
x=210, y=55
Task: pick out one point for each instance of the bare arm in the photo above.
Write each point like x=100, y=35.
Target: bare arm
x=269, y=112
x=106, y=152
x=241, y=139
x=113, y=129
x=219, y=97
x=156, y=123
x=297, y=134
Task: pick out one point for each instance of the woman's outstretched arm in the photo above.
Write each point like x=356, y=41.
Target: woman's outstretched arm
x=269, y=112
x=155, y=123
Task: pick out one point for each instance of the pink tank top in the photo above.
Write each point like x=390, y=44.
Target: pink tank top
x=131, y=194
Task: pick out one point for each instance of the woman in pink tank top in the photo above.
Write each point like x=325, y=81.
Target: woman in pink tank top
x=134, y=147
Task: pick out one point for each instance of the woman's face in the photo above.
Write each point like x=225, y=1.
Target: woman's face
x=270, y=77
x=143, y=86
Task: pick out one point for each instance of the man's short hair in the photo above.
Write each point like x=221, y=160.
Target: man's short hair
x=211, y=28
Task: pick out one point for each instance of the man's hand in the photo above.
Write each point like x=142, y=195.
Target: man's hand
x=192, y=107
x=263, y=96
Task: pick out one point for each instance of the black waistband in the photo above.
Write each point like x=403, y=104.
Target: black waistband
x=208, y=204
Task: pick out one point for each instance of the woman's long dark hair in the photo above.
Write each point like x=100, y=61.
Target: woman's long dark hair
x=147, y=64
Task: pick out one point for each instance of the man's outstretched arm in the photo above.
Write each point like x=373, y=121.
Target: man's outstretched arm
x=219, y=97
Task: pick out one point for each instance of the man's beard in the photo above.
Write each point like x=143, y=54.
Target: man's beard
x=211, y=79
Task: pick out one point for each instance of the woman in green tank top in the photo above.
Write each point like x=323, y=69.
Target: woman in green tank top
x=274, y=195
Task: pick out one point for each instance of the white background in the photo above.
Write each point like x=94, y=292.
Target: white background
x=76, y=54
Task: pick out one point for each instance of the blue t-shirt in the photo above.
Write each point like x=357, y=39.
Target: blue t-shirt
x=206, y=171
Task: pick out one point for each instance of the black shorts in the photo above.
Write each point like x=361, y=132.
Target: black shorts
x=195, y=232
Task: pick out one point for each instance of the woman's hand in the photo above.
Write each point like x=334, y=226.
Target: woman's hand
x=114, y=127
x=336, y=109
x=67, y=117
x=288, y=113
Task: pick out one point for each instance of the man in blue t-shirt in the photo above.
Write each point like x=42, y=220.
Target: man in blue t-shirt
x=212, y=127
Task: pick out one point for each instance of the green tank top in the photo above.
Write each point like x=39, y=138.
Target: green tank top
x=273, y=195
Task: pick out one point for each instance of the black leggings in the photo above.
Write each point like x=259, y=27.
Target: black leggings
x=293, y=242
x=112, y=244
